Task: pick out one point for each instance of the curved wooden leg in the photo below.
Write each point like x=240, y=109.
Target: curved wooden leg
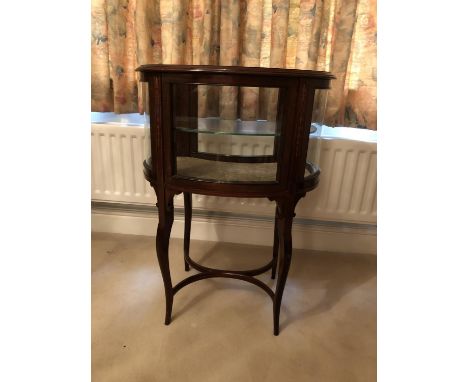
x=166, y=218
x=187, y=227
x=285, y=253
x=285, y=215
x=275, y=246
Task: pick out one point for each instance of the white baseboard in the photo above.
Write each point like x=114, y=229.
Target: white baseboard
x=255, y=230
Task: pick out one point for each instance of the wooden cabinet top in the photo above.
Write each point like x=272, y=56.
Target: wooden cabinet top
x=235, y=70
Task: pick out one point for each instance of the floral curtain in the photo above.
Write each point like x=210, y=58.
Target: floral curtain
x=334, y=35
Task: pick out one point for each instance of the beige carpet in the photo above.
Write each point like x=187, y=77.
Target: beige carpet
x=222, y=330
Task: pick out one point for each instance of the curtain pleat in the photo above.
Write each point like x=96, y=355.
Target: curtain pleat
x=343, y=32
x=229, y=55
x=101, y=91
x=122, y=54
x=251, y=41
x=333, y=35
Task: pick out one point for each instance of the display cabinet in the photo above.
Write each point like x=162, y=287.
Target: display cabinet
x=233, y=132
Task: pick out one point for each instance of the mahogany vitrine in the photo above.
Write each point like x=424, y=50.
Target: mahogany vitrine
x=200, y=120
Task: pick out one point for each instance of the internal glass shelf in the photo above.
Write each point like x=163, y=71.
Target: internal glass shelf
x=218, y=126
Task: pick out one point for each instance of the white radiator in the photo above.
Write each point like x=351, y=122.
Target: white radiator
x=346, y=192
x=116, y=160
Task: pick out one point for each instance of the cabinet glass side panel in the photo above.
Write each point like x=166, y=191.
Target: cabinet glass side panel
x=227, y=134
x=147, y=146
x=318, y=115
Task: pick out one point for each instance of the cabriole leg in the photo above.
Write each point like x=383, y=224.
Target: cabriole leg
x=285, y=219
x=275, y=246
x=187, y=227
x=166, y=218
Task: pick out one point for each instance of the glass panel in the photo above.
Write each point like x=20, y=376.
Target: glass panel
x=216, y=125
x=318, y=114
x=226, y=133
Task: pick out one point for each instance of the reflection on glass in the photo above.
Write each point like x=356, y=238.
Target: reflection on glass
x=226, y=133
x=215, y=125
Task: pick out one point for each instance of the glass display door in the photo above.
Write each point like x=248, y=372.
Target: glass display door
x=226, y=134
